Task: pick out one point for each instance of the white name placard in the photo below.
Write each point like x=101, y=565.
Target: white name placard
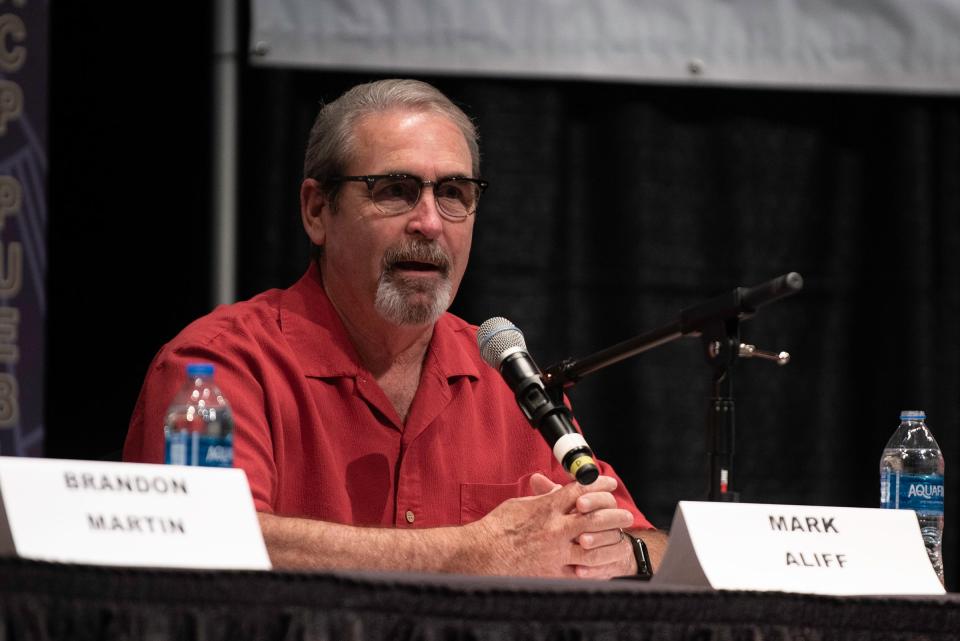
x=129, y=514
x=797, y=548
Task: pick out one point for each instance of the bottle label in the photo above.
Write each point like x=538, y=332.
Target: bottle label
x=922, y=493
x=193, y=448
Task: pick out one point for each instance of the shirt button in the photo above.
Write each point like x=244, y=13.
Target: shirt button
x=410, y=516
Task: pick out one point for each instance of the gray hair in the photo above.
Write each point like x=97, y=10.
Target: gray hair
x=331, y=144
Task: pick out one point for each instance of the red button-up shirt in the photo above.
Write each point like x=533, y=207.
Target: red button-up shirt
x=318, y=437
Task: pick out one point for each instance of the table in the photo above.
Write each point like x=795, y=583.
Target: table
x=41, y=601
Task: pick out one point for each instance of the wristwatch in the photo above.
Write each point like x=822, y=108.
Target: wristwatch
x=644, y=568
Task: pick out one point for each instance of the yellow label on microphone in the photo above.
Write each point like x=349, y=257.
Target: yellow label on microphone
x=579, y=462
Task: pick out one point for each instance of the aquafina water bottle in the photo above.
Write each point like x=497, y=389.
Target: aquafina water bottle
x=911, y=478
x=198, y=427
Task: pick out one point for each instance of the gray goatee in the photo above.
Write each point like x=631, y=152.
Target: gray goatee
x=406, y=300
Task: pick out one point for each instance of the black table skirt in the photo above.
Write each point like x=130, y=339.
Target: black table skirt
x=41, y=601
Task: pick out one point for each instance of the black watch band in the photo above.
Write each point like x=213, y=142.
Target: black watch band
x=644, y=568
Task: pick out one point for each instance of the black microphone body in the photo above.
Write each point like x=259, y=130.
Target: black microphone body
x=503, y=347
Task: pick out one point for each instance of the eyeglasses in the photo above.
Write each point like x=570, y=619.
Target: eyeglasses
x=396, y=194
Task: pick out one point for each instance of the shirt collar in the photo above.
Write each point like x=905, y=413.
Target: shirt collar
x=319, y=340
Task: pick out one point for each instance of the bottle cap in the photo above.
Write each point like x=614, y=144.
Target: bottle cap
x=912, y=415
x=199, y=370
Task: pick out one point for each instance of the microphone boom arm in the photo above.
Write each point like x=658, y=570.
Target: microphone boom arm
x=717, y=323
x=740, y=304
x=569, y=371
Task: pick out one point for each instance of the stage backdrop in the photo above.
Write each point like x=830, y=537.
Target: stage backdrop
x=612, y=207
x=23, y=223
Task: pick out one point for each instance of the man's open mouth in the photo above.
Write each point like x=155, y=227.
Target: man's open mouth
x=416, y=266
x=417, y=258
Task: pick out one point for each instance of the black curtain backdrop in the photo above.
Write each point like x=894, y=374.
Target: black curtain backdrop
x=130, y=193
x=612, y=207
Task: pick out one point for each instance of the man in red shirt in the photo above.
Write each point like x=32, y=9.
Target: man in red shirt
x=371, y=432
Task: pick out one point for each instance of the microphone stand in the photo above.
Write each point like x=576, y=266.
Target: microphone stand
x=717, y=324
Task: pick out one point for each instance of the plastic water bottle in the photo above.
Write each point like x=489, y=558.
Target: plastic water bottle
x=911, y=478
x=198, y=428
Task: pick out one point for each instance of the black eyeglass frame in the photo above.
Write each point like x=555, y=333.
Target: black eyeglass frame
x=371, y=180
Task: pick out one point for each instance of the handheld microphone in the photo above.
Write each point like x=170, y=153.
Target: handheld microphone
x=502, y=346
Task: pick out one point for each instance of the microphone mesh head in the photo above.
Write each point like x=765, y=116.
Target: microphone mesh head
x=495, y=336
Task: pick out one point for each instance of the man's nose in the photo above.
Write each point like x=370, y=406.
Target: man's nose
x=425, y=218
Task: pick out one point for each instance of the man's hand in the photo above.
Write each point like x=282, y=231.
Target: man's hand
x=625, y=564
x=570, y=530
x=656, y=540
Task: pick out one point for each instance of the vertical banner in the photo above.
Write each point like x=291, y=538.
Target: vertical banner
x=23, y=222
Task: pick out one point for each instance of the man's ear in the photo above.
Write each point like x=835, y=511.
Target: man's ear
x=313, y=203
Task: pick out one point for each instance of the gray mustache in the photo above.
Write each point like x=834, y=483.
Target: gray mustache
x=416, y=252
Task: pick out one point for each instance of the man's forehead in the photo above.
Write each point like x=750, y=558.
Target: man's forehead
x=395, y=137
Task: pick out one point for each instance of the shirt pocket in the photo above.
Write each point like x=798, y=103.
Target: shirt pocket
x=478, y=499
